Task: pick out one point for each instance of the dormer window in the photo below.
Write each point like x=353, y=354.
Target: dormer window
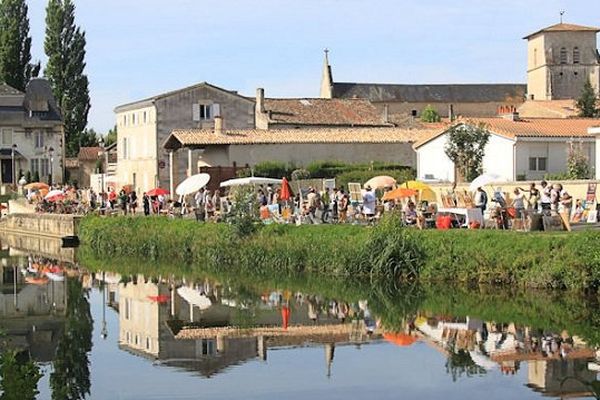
x=576, y=55
x=563, y=55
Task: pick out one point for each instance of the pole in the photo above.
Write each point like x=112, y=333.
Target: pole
x=12, y=156
x=15, y=288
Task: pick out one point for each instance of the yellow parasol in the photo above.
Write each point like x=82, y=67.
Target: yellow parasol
x=425, y=191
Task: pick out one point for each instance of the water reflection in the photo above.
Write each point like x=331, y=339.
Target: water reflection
x=206, y=326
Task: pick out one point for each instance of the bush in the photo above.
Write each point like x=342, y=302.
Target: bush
x=271, y=169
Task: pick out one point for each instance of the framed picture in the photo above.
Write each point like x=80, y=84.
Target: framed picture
x=592, y=217
x=355, y=193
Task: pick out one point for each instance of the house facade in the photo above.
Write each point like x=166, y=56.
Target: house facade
x=31, y=133
x=144, y=125
x=518, y=149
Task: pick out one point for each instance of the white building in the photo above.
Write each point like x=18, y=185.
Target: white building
x=518, y=149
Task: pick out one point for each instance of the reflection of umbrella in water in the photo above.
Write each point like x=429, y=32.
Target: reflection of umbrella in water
x=399, y=193
x=285, y=316
x=400, y=339
x=161, y=298
x=194, y=297
x=381, y=181
x=192, y=184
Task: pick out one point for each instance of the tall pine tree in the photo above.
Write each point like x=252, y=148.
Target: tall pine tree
x=587, y=104
x=15, y=45
x=65, y=48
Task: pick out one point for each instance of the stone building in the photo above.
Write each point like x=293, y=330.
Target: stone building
x=145, y=124
x=560, y=59
x=32, y=126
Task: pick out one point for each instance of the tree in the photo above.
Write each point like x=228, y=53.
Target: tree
x=110, y=137
x=430, y=115
x=19, y=376
x=16, y=68
x=89, y=138
x=587, y=104
x=578, y=165
x=466, y=148
x=65, y=48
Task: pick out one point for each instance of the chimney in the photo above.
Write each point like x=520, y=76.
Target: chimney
x=451, y=112
x=260, y=100
x=218, y=125
x=386, y=114
x=509, y=112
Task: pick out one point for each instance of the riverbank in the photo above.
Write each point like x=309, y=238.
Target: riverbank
x=386, y=252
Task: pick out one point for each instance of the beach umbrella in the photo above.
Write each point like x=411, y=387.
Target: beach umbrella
x=194, y=297
x=286, y=190
x=379, y=182
x=54, y=195
x=285, y=316
x=425, y=191
x=157, y=192
x=399, y=339
x=37, y=186
x=483, y=180
x=251, y=180
x=192, y=184
x=400, y=193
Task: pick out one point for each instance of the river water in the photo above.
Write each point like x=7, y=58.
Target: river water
x=111, y=334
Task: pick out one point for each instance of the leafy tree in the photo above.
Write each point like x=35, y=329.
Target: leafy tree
x=460, y=363
x=429, y=114
x=70, y=379
x=578, y=165
x=65, y=48
x=16, y=68
x=89, y=138
x=587, y=104
x=19, y=376
x=466, y=148
x=110, y=137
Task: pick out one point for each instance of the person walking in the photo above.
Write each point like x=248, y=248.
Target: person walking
x=200, y=211
x=369, y=204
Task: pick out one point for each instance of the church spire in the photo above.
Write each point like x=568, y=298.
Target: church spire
x=326, y=78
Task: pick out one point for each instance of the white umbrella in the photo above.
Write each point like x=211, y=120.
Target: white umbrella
x=192, y=184
x=484, y=179
x=252, y=180
x=53, y=193
x=194, y=297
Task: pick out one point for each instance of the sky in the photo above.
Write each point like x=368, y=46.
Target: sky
x=140, y=48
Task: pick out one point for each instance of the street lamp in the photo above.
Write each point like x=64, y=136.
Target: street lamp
x=104, y=331
x=12, y=157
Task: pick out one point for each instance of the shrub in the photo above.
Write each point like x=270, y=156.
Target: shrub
x=429, y=114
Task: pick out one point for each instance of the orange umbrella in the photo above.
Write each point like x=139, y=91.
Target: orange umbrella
x=37, y=186
x=400, y=339
x=285, y=316
x=286, y=190
x=399, y=193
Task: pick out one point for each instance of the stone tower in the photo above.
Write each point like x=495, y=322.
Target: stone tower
x=326, y=79
x=560, y=59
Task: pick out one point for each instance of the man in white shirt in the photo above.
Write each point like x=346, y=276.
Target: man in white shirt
x=369, y=203
x=545, y=196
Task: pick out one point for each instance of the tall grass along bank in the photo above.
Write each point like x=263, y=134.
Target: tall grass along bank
x=385, y=252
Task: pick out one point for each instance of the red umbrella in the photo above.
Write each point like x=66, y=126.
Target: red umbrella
x=161, y=298
x=286, y=190
x=285, y=316
x=157, y=192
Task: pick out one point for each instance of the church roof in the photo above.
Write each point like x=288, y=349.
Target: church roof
x=324, y=112
x=435, y=93
x=564, y=28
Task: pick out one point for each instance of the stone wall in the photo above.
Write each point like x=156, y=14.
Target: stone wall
x=53, y=225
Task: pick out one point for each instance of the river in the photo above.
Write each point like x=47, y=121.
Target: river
x=122, y=333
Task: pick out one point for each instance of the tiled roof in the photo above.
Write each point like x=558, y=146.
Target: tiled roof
x=332, y=112
x=202, y=137
x=89, y=153
x=548, y=109
x=444, y=93
x=529, y=128
x=6, y=90
x=565, y=28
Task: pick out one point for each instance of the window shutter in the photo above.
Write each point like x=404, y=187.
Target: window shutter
x=196, y=112
x=216, y=110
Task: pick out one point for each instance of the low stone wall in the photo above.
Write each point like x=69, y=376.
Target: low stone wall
x=54, y=225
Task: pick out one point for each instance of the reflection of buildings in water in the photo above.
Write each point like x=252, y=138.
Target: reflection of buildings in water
x=47, y=247
x=32, y=316
x=146, y=328
x=560, y=378
x=560, y=371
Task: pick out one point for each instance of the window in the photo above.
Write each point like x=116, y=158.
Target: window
x=563, y=55
x=127, y=310
x=576, y=55
x=205, y=112
x=124, y=154
x=133, y=119
x=537, y=163
x=208, y=347
x=124, y=120
x=145, y=117
x=535, y=57
x=35, y=165
x=44, y=167
x=7, y=137
x=38, y=139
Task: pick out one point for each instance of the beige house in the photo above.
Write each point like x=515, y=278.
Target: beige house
x=145, y=124
x=31, y=133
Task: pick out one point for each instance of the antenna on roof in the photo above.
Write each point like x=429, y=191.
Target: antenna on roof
x=562, y=12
